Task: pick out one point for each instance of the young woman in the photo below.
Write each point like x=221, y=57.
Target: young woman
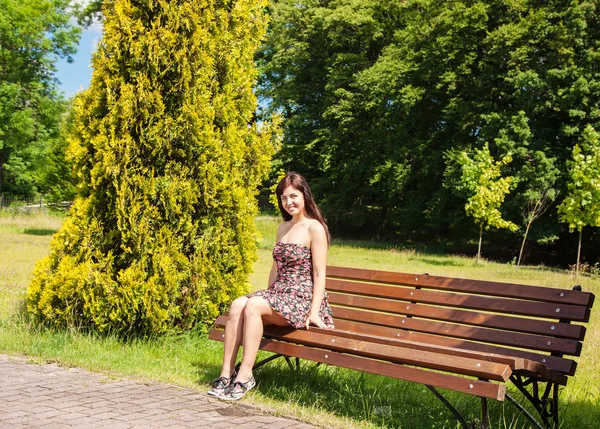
x=296, y=293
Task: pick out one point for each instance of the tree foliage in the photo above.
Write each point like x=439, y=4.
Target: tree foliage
x=168, y=158
x=481, y=179
x=581, y=206
x=90, y=13
x=375, y=92
x=34, y=34
x=57, y=180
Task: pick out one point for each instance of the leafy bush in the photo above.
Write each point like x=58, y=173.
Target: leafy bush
x=168, y=159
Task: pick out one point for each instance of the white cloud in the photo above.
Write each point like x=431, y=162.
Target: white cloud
x=96, y=26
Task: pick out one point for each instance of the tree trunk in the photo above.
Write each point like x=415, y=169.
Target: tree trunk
x=383, y=221
x=480, y=236
x=523, y=244
x=578, y=255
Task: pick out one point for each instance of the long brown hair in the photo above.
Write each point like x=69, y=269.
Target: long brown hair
x=297, y=181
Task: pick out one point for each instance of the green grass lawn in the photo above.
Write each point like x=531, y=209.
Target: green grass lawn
x=324, y=396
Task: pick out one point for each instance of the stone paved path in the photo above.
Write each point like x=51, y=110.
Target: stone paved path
x=51, y=397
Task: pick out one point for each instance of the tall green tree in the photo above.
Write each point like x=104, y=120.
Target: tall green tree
x=309, y=64
x=168, y=157
x=540, y=194
x=90, y=13
x=34, y=34
x=375, y=93
x=481, y=178
x=581, y=206
x=57, y=180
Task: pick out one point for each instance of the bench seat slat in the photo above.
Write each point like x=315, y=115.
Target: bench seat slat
x=494, y=304
x=441, y=380
x=355, y=330
x=508, y=290
x=562, y=365
x=494, y=336
x=425, y=359
x=358, y=330
x=467, y=317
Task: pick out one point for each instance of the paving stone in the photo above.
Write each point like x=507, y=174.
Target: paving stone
x=15, y=414
x=47, y=396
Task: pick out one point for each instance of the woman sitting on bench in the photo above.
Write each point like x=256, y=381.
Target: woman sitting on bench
x=296, y=293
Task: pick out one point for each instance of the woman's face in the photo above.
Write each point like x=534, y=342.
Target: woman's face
x=292, y=200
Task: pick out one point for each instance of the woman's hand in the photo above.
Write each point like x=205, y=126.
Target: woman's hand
x=315, y=319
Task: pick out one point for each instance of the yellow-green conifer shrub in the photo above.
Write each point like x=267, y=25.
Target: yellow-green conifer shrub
x=169, y=159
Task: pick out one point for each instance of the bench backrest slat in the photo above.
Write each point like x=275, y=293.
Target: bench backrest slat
x=507, y=290
x=493, y=336
x=534, y=326
x=510, y=306
x=524, y=321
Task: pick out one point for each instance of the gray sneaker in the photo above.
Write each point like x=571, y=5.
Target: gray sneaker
x=237, y=390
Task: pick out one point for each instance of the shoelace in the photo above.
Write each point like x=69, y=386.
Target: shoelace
x=225, y=380
x=238, y=386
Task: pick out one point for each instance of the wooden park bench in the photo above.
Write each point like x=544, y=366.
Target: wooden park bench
x=469, y=336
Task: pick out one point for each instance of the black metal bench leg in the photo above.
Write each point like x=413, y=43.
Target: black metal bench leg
x=546, y=405
x=289, y=362
x=485, y=415
x=448, y=405
x=262, y=362
x=269, y=359
x=524, y=411
x=555, y=403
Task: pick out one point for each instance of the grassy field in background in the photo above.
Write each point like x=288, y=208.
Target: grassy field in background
x=325, y=396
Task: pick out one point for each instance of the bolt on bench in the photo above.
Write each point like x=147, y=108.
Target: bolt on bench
x=469, y=336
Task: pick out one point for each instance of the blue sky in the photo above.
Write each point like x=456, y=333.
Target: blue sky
x=77, y=75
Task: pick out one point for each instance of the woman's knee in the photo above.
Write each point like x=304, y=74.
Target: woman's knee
x=254, y=306
x=237, y=306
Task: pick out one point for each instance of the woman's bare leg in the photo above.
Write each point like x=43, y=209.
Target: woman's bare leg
x=257, y=313
x=233, y=335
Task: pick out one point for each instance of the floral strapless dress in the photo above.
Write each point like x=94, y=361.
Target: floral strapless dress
x=290, y=295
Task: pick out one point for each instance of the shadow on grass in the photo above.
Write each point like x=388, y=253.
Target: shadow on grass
x=446, y=262
x=39, y=231
x=433, y=249
x=382, y=402
x=379, y=245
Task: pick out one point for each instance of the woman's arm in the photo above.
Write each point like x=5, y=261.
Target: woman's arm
x=273, y=273
x=318, y=247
